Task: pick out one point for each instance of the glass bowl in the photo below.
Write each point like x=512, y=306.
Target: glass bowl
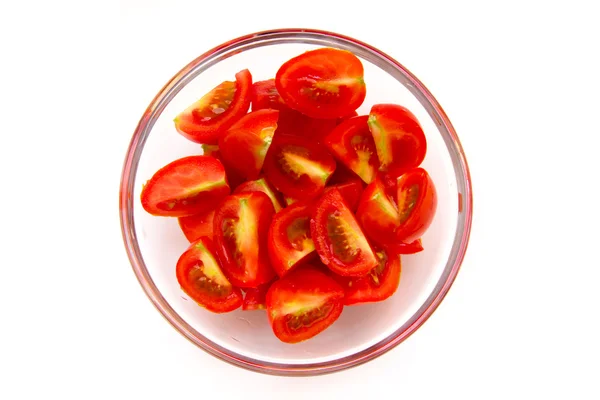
x=244, y=338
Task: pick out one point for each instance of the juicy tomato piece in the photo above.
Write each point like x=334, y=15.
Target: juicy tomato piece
x=323, y=83
x=196, y=226
x=297, y=167
x=350, y=191
x=290, y=243
x=417, y=203
x=352, y=144
x=303, y=304
x=339, y=240
x=261, y=185
x=241, y=225
x=244, y=145
x=399, y=138
x=265, y=95
x=201, y=278
x=378, y=214
x=379, y=284
x=186, y=186
x=413, y=247
x=256, y=298
x=233, y=178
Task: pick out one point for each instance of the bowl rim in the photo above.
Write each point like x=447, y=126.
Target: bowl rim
x=459, y=247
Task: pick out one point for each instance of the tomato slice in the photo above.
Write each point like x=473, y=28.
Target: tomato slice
x=413, y=247
x=378, y=214
x=241, y=225
x=323, y=83
x=399, y=138
x=339, y=240
x=261, y=185
x=244, y=145
x=265, y=95
x=201, y=278
x=186, y=186
x=256, y=298
x=196, y=226
x=303, y=304
x=378, y=285
x=297, y=167
x=352, y=144
x=351, y=191
x=290, y=243
x=206, y=119
x=233, y=178
x=417, y=203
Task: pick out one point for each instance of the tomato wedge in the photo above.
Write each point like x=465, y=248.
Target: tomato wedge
x=196, y=226
x=339, y=240
x=303, y=304
x=399, y=138
x=241, y=225
x=417, y=203
x=261, y=185
x=323, y=83
x=206, y=119
x=297, y=167
x=378, y=214
x=289, y=241
x=244, y=145
x=233, y=178
x=186, y=186
x=352, y=144
x=256, y=298
x=350, y=190
x=201, y=278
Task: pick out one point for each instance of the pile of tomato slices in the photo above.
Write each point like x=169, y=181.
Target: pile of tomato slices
x=295, y=204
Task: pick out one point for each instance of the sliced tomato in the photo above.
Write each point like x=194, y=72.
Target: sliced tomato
x=233, y=178
x=379, y=284
x=339, y=240
x=352, y=144
x=290, y=200
x=297, y=167
x=413, y=247
x=399, y=138
x=303, y=304
x=350, y=191
x=325, y=83
x=256, y=298
x=265, y=95
x=378, y=214
x=241, y=225
x=261, y=185
x=186, y=186
x=244, y=145
x=196, y=226
x=200, y=277
x=290, y=243
x=417, y=203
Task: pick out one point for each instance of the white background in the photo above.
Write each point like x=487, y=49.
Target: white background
x=519, y=81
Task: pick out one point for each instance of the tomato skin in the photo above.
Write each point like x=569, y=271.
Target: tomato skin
x=256, y=298
x=417, y=204
x=398, y=136
x=265, y=95
x=324, y=83
x=241, y=225
x=233, y=178
x=350, y=190
x=339, y=240
x=261, y=185
x=286, y=253
x=195, y=126
x=200, y=277
x=198, y=225
x=292, y=299
x=413, y=247
x=186, y=186
x=378, y=214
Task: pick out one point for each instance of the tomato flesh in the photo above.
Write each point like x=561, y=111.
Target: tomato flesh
x=417, y=203
x=196, y=226
x=378, y=214
x=261, y=185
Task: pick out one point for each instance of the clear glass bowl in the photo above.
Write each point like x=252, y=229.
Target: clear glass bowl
x=244, y=338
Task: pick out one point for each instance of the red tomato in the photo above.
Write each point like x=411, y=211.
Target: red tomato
x=417, y=203
x=297, y=167
x=261, y=185
x=289, y=239
x=233, y=178
x=323, y=83
x=241, y=225
x=351, y=142
x=399, y=138
x=377, y=214
x=205, y=120
x=338, y=238
x=201, y=278
x=350, y=191
x=290, y=200
x=303, y=304
x=244, y=145
x=265, y=95
x=377, y=285
x=256, y=298
x=413, y=247
x=196, y=226
x=186, y=186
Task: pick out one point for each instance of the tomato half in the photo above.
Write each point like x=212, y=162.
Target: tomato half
x=196, y=226
x=186, y=186
x=289, y=240
x=206, y=119
x=417, y=203
x=256, y=298
x=201, y=278
x=378, y=214
x=234, y=179
x=352, y=144
x=339, y=240
x=240, y=228
x=323, y=83
x=297, y=167
x=261, y=185
x=399, y=138
x=244, y=145
x=303, y=304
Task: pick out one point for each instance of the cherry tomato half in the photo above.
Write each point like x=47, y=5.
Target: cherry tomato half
x=378, y=214
x=196, y=226
x=417, y=203
x=261, y=185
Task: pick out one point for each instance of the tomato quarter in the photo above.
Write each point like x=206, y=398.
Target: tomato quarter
x=261, y=185
x=196, y=226
x=417, y=203
x=378, y=214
